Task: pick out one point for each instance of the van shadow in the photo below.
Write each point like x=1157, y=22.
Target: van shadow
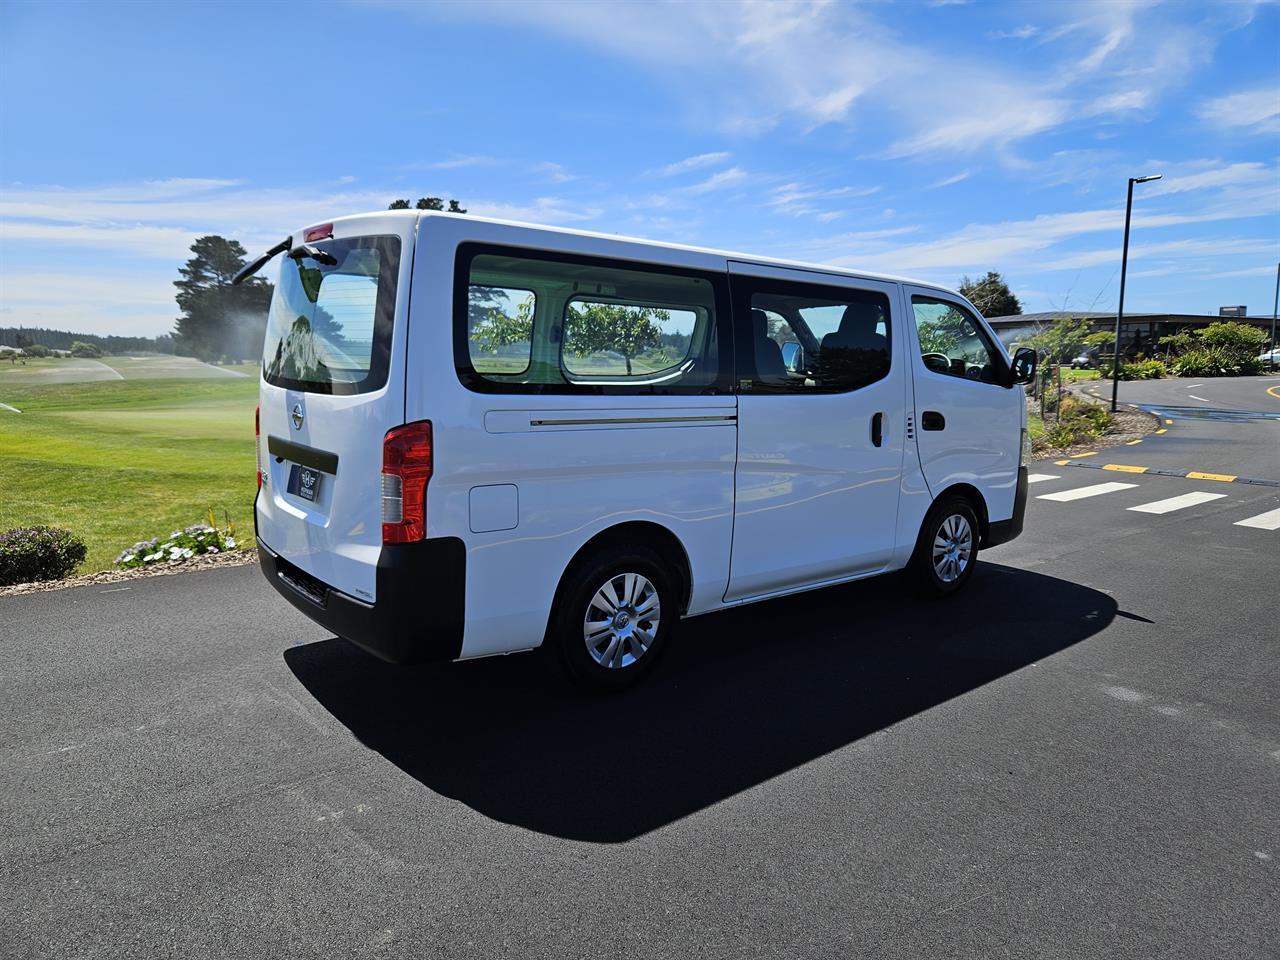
x=741, y=697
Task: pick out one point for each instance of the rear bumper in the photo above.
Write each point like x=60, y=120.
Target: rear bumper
x=419, y=613
x=1002, y=531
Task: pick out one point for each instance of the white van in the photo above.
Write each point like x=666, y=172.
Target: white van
x=479, y=437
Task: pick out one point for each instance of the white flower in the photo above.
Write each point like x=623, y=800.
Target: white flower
x=213, y=550
x=187, y=553
x=127, y=558
x=230, y=543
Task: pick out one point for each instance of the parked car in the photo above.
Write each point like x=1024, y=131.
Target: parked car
x=478, y=437
x=1082, y=362
x=1270, y=357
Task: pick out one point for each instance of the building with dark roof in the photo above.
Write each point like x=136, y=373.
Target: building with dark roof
x=1139, y=332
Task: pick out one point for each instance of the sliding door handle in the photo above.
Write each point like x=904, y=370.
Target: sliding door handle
x=932, y=420
x=877, y=429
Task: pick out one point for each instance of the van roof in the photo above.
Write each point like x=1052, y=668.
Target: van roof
x=662, y=245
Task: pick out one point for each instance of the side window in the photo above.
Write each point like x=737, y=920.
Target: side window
x=809, y=339
x=500, y=328
x=953, y=343
x=556, y=323
x=604, y=339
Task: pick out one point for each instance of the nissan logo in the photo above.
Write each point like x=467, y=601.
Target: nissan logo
x=297, y=416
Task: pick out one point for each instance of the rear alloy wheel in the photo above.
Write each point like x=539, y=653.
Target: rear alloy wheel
x=615, y=610
x=947, y=549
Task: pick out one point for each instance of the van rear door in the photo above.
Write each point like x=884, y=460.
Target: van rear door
x=332, y=385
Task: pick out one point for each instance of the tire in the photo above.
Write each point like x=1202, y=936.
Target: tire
x=944, y=557
x=606, y=646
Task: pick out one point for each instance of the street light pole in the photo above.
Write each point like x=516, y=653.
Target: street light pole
x=1274, y=306
x=1124, y=267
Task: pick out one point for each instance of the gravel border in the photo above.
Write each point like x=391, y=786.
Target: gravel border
x=1127, y=424
x=236, y=558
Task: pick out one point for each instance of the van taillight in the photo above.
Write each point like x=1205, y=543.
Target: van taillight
x=257, y=441
x=406, y=468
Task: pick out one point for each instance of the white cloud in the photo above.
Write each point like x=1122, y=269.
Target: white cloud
x=1024, y=32
x=718, y=181
x=1236, y=174
x=554, y=172
x=1190, y=249
x=1258, y=110
x=694, y=163
x=948, y=181
x=801, y=200
x=461, y=162
x=85, y=302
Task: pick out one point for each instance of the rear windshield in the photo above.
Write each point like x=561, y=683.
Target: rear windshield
x=329, y=329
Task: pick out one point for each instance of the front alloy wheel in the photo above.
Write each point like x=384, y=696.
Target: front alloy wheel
x=952, y=548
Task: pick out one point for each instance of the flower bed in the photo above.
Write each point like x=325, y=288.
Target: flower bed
x=181, y=545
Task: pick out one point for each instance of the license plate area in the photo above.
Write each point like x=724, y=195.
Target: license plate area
x=304, y=482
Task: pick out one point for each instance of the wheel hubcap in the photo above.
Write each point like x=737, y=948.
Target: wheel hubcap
x=621, y=622
x=952, y=548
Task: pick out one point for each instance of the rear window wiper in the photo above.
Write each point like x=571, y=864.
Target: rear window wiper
x=313, y=253
x=260, y=261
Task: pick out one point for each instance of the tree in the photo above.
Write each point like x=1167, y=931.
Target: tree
x=991, y=295
x=219, y=321
x=613, y=327
x=427, y=203
x=1060, y=340
x=88, y=350
x=492, y=326
x=36, y=350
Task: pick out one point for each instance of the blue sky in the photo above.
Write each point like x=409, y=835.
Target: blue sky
x=928, y=139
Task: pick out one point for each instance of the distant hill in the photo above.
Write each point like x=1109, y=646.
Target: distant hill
x=62, y=340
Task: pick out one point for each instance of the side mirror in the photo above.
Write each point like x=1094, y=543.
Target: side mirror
x=1022, y=369
x=793, y=357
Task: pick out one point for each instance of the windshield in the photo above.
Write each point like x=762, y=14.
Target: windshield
x=329, y=328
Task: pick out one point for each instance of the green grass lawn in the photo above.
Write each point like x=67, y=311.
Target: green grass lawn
x=1069, y=374
x=117, y=461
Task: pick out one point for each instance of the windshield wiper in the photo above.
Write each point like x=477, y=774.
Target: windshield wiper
x=256, y=264
x=313, y=253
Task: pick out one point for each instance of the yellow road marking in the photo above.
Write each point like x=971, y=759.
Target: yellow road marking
x=1133, y=443
x=1272, y=391
x=1123, y=468
x=1061, y=463
x=1091, y=453
x=1168, y=423
x=1224, y=477
x=1160, y=431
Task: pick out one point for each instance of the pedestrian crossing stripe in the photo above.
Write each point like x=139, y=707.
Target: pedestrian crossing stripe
x=1263, y=521
x=1178, y=503
x=1079, y=493
x=1041, y=477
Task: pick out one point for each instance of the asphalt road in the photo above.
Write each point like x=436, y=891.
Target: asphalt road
x=1078, y=757
x=1194, y=411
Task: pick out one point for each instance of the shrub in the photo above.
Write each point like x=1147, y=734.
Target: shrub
x=28, y=554
x=1138, y=370
x=36, y=350
x=1235, y=337
x=1216, y=362
x=90, y=351
x=1077, y=422
x=180, y=546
